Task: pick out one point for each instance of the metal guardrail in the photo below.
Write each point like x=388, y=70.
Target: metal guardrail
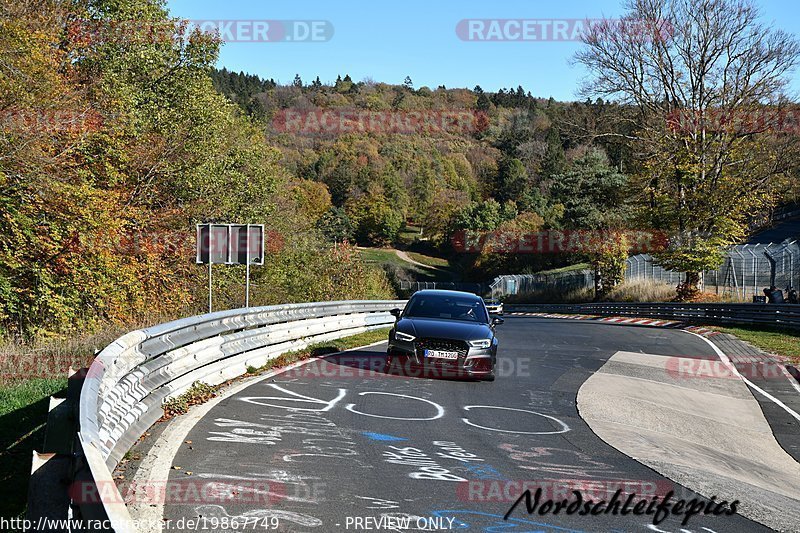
x=128, y=382
x=779, y=315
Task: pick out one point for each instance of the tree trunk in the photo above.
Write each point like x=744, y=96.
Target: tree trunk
x=689, y=288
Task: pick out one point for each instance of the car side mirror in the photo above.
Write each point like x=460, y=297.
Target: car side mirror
x=496, y=321
x=395, y=312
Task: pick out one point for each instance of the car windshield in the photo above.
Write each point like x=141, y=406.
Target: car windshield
x=448, y=307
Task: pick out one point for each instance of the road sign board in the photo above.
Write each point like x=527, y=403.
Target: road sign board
x=231, y=244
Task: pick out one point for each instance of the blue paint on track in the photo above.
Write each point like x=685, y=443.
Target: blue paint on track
x=382, y=437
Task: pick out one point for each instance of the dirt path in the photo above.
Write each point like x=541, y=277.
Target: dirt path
x=405, y=257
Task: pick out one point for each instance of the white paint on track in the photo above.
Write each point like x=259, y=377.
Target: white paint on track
x=439, y=409
x=564, y=426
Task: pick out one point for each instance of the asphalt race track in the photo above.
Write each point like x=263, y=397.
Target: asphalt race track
x=339, y=445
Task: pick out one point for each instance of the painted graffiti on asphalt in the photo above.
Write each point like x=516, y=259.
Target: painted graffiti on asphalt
x=478, y=416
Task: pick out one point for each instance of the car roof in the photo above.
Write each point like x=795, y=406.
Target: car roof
x=442, y=292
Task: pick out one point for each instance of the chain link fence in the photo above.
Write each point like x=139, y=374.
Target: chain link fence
x=745, y=272
x=561, y=282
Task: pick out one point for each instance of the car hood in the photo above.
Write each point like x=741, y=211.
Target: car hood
x=444, y=329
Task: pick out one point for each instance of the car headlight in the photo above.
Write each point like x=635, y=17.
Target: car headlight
x=483, y=343
x=399, y=335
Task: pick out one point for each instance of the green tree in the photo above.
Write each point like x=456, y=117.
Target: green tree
x=375, y=222
x=554, y=161
x=482, y=216
x=608, y=257
x=593, y=194
x=483, y=103
x=335, y=225
x=512, y=180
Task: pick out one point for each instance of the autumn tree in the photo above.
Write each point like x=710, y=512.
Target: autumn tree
x=373, y=218
x=335, y=225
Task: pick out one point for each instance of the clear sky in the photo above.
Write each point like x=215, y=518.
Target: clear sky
x=387, y=41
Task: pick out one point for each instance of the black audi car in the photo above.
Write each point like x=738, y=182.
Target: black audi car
x=444, y=333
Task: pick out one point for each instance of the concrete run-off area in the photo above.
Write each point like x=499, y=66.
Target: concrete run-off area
x=707, y=434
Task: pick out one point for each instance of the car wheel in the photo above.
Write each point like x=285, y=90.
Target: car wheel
x=489, y=377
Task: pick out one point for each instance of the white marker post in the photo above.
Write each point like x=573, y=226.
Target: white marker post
x=247, y=287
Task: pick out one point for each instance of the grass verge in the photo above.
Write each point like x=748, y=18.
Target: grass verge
x=568, y=268
x=429, y=260
x=400, y=270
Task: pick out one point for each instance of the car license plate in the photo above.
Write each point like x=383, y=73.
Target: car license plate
x=441, y=355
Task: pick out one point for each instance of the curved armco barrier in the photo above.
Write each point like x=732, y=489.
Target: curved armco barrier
x=128, y=382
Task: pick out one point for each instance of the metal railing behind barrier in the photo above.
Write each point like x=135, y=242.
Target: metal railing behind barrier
x=745, y=271
x=778, y=315
x=410, y=287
